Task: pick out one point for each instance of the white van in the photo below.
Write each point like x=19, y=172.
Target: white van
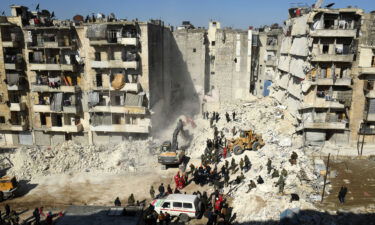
x=181, y=205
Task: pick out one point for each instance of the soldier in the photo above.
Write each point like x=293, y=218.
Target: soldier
x=241, y=164
x=131, y=199
x=275, y=173
x=281, y=184
x=252, y=185
x=152, y=192
x=269, y=166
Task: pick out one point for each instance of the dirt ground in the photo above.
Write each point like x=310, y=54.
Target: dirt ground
x=359, y=177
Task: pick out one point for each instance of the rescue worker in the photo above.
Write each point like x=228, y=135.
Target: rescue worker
x=161, y=190
x=269, y=166
x=169, y=189
x=342, y=194
x=152, y=192
x=161, y=218
x=177, y=178
x=225, y=152
x=252, y=185
x=227, y=117
x=167, y=218
x=241, y=164
x=247, y=163
x=234, y=115
x=117, y=202
x=293, y=158
x=217, y=117
x=275, y=173
x=131, y=200
x=284, y=173
x=233, y=164
x=260, y=180
x=36, y=216
x=281, y=184
x=226, y=164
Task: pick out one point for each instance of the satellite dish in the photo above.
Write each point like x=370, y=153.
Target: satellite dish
x=45, y=13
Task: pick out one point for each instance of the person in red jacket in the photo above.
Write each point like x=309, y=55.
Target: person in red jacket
x=181, y=183
x=177, y=178
x=225, y=151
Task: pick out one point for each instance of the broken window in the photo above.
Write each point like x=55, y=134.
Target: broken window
x=212, y=72
x=43, y=120
x=213, y=43
x=194, y=50
x=68, y=137
x=373, y=61
x=2, y=119
x=325, y=49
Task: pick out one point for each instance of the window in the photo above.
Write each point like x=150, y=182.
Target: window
x=43, y=120
x=99, y=80
x=187, y=205
x=97, y=56
x=325, y=49
x=68, y=137
x=213, y=43
x=177, y=204
x=166, y=205
x=194, y=50
x=212, y=72
x=2, y=119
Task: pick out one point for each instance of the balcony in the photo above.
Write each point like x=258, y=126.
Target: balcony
x=10, y=44
x=17, y=106
x=41, y=108
x=52, y=67
x=370, y=117
x=333, y=58
x=367, y=70
x=46, y=88
x=73, y=109
x=17, y=87
x=272, y=47
x=367, y=130
x=325, y=125
x=64, y=128
x=126, y=128
x=329, y=82
x=119, y=41
x=322, y=103
x=11, y=127
x=114, y=64
x=10, y=66
x=50, y=44
x=139, y=110
x=334, y=33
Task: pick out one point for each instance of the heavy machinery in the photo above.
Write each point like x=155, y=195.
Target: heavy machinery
x=169, y=153
x=8, y=187
x=247, y=140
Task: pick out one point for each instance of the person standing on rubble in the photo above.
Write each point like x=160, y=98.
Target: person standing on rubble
x=131, y=199
x=36, y=216
x=233, y=165
x=217, y=117
x=234, y=115
x=117, y=202
x=269, y=166
x=241, y=164
x=211, y=121
x=161, y=190
x=226, y=178
x=169, y=189
x=247, y=163
x=227, y=117
x=281, y=184
x=7, y=210
x=342, y=194
x=152, y=192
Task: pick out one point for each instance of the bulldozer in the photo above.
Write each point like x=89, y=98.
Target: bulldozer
x=8, y=187
x=169, y=152
x=247, y=140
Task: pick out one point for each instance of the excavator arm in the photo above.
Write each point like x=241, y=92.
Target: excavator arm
x=176, y=131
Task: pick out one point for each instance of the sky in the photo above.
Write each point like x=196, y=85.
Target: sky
x=231, y=13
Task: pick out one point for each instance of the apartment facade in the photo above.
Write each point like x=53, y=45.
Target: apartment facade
x=95, y=81
x=316, y=71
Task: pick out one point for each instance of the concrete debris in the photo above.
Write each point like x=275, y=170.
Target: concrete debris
x=70, y=157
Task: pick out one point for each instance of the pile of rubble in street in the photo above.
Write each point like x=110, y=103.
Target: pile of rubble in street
x=278, y=129
x=28, y=162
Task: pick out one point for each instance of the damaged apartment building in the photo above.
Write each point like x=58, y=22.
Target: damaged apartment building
x=220, y=61
x=319, y=54
x=92, y=80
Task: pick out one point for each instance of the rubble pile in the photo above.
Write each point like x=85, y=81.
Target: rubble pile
x=28, y=162
x=278, y=129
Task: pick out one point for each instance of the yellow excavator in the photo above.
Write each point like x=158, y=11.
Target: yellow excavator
x=247, y=140
x=169, y=152
x=8, y=187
